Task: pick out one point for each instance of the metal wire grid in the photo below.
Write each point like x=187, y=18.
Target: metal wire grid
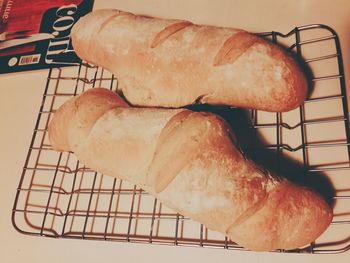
x=59, y=197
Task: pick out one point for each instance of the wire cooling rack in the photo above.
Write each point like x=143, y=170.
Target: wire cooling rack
x=59, y=197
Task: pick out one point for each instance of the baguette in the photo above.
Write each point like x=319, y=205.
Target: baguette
x=192, y=163
x=173, y=63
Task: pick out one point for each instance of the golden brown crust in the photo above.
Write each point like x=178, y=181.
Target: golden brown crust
x=189, y=162
x=76, y=117
x=168, y=31
x=117, y=13
x=295, y=211
x=233, y=47
x=196, y=63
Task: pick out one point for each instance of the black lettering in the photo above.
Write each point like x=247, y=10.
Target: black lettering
x=56, y=47
x=63, y=23
x=61, y=30
x=67, y=10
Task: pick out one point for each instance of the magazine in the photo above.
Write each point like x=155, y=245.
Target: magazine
x=36, y=34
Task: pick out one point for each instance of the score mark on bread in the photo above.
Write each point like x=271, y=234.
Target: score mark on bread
x=168, y=31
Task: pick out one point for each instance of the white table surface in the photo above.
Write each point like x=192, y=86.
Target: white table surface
x=20, y=98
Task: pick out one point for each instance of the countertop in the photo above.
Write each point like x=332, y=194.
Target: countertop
x=21, y=95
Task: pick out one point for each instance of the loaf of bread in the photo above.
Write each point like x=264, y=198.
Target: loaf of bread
x=173, y=63
x=192, y=163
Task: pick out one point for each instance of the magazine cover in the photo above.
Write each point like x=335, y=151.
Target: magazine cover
x=36, y=34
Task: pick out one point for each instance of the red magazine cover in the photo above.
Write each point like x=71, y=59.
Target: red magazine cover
x=36, y=34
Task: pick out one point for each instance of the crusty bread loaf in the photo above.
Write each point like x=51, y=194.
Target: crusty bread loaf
x=173, y=63
x=191, y=162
